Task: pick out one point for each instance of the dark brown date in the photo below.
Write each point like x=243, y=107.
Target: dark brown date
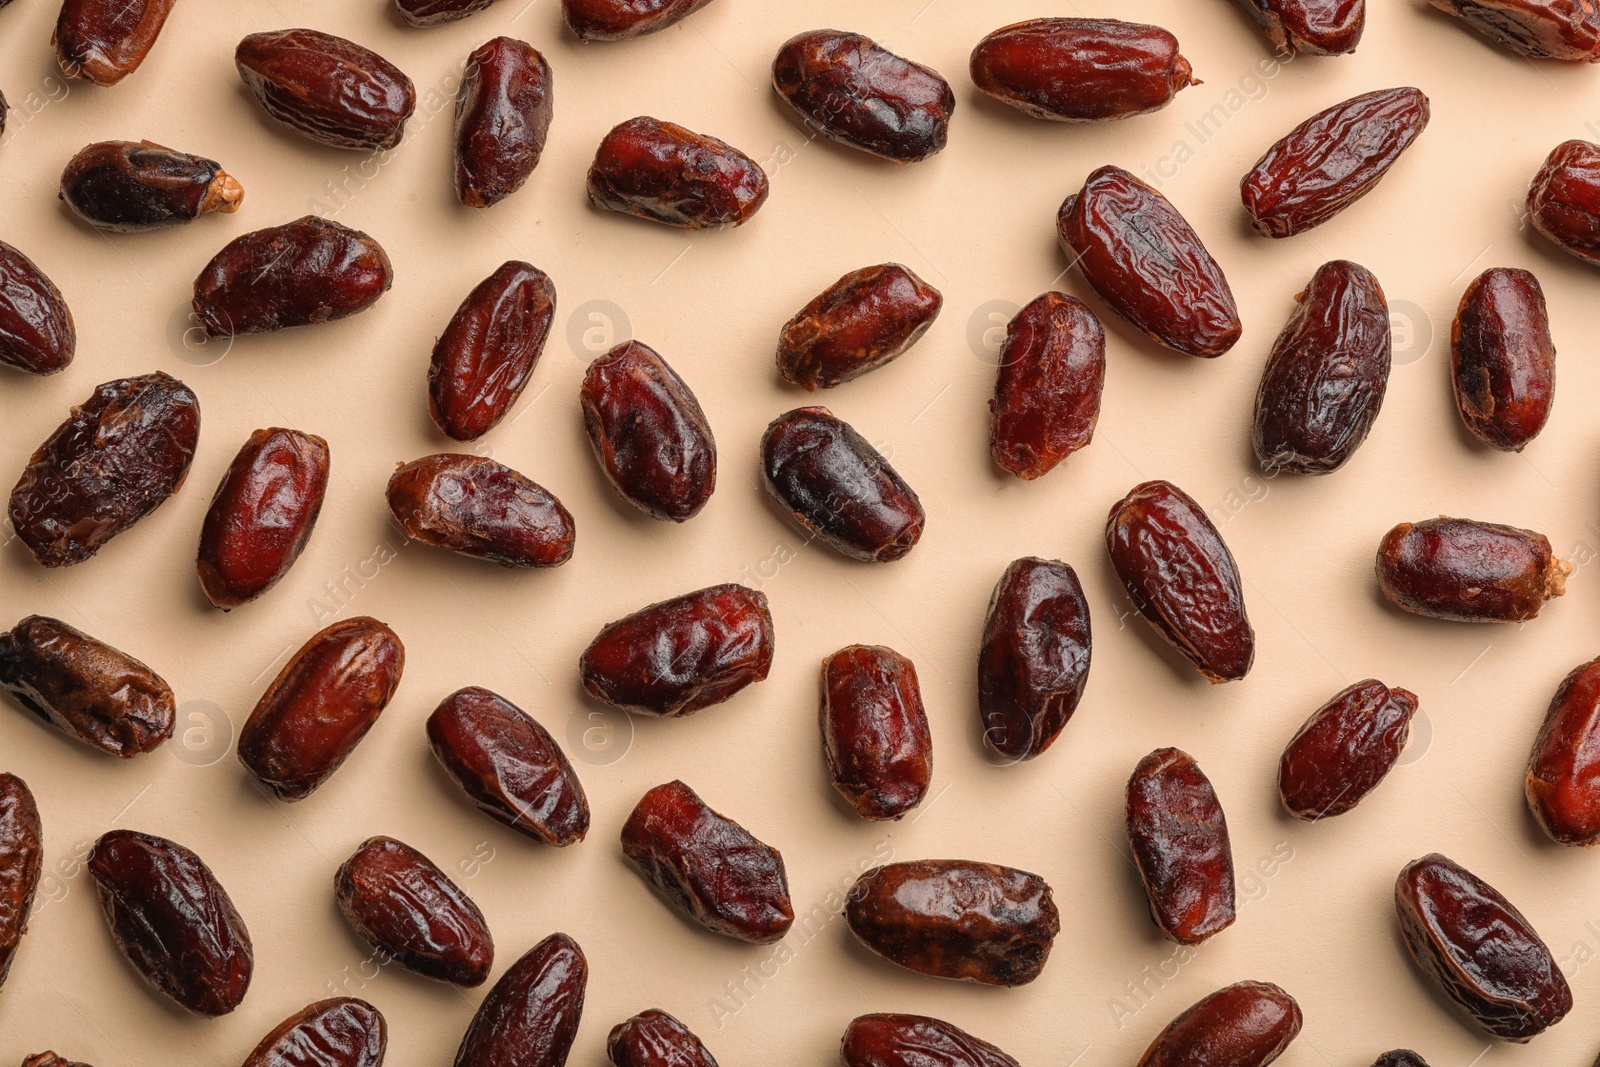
x=503, y=113
x=21, y=864
x=708, y=867
x=915, y=1041
x=1247, y=1024
x=326, y=88
x=621, y=20
x=1311, y=27
x=839, y=487
x=106, y=40
x=1081, y=70
x=1324, y=382
x=408, y=909
x=36, y=330
x=648, y=432
x=852, y=90
x=680, y=655
x=660, y=171
x=1400, y=1057
x=1467, y=571
x=262, y=515
x=655, y=1039
x=1502, y=361
x=1331, y=160
x=957, y=919
x=1564, y=198
x=477, y=507
x=128, y=186
x=49, y=1059
x=509, y=766
x=859, y=323
x=88, y=690
x=1179, y=839
x=1563, y=779
x=320, y=706
x=1047, y=394
x=530, y=1017
x=484, y=358
x=1345, y=749
x=438, y=12
x=341, y=1032
x=1146, y=262
x=874, y=731
x=173, y=920
x=118, y=456
x=1033, y=664
x=1182, y=578
x=1478, y=947
x=1543, y=29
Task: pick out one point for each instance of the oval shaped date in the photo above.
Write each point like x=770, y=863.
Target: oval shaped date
x=1564, y=199
x=438, y=12
x=484, y=358
x=476, y=507
x=1033, y=664
x=106, y=40
x=874, y=731
x=1543, y=29
x=1179, y=839
x=1247, y=1024
x=36, y=330
x=1047, y=394
x=21, y=864
x=1502, y=361
x=655, y=1039
x=1400, y=1057
x=128, y=186
x=326, y=88
x=864, y=320
x=503, y=113
x=531, y=1015
x=50, y=1059
x=1345, y=749
x=661, y=171
x=1311, y=27
x=1563, y=779
x=915, y=1041
x=1081, y=70
x=1466, y=571
x=340, y=1032
x=621, y=20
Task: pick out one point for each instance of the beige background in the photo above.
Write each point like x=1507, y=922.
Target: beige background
x=977, y=222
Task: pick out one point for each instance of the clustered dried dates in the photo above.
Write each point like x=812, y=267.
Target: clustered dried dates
x=620, y=20
x=503, y=113
x=1564, y=198
x=36, y=330
x=1033, y=664
x=915, y=1041
x=1311, y=27
x=1047, y=394
x=326, y=88
x=487, y=353
x=864, y=320
x=875, y=732
x=1247, y=1024
x=1502, y=360
x=530, y=1017
x=655, y=1039
x=1179, y=839
x=1081, y=69
x=1467, y=571
x=21, y=864
x=1345, y=749
x=477, y=507
x=104, y=41
x=339, y=1032
x=127, y=186
x=665, y=173
x=1563, y=779
x=1543, y=29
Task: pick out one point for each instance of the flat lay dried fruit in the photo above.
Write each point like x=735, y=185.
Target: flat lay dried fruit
x=874, y=731
x=1033, y=664
x=665, y=173
x=48, y=1059
x=487, y=353
x=106, y=40
x=326, y=88
x=621, y=20
x=915, y=1041
x=1247, y=1024
x=864, y=320
x=1400, y=1057
x=1345, y=749
x=36, y=331
x=339, y=1032
x=655, y=1039
x=1311, y=27
x=1047, y=394
x=1179, y=839
x=1563, y=779
x=1564, y=198
x=127, y=186
x=21, y=864
x=1502, y=360
x=1543, y=29
x=438, y=12
x=503, y=113
x=477, y=507
x=530, y=1017
x=1467, y=571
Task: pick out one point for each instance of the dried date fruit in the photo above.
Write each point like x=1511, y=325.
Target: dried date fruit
x=874, y=731
x=509, y=766
x=320, y=706
x=655, y=1039
x=839, y=487
x=88, y=690
x=477, y=507
x=1478, y=947
x=262, y=515
x=173, y=920
x=1146, y=262
x=1400, y=1057
x=1033, y=664
x=1324, y=382
x=915, y=1041
x=326, y=88
x=1543, y=29
x=1345, y=749
x=1081, y=70
x=36, y=330
x=484, y=358
x=1467, y=571
x=1179, y=839
x=1564, y=198
x=1182, y=578
x=1311, y=27
x=708, y=867
x=106, y=40
x=621, y=20
x=1563, y=779
x=1047, y=394
x=339, y=1032
x=1502, y=361
x=21, y=864
x=503, y=113
x=864, y=320
x=128, y=186
x=1331, y=160
x=680, y=655
x=531, y=1015
x=438, y=12
x=660, y=171
x=49, y=1059
x=648, y=432
x=1247, y=1024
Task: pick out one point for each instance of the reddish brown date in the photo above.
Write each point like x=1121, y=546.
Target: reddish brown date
x=915, y=1041
x=1563, y=779
x=479, y=508
x=530, y=1017
x=320, y=706
x=88, y=690
x=1331, y=160
x=1345, y=749
x=1179, y=839
x=1033, y=664
x=1478, y=947
x=1400, y=1057
x=118, y=456
x=1146, y=262
x=509, y=766
x=1543, y=29
x=1247, y=1024
x=708, y=867
x=655, y=1039
x=262, y=515
x=648, y=433
x=1047, y=394
x=660, y=171
x=49, y=1059
x=173, y=920
x=503, y=113
x=326, y=88
x=839, y=487
x=864, y=320
x=21, y=864
x=1564, y=199
x=106, y=40
x=128, y=186
x=341, y=1032
x=621, y=20
x=1467, y=571
x=874, y=731
x=1324, y=382
x=1311, y=27
x=1182, y=578
x=484, y=358
x=438, y=12
x=680, y=655
x=408, y=909
x=1502, y=360
x=1081, y=70
x=36, y=330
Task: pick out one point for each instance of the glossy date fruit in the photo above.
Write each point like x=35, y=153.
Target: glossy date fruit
x=128, y=186
x=49, y=1059
x=1543, y=29
x=1345, y=749
x=530, y=1017
x=21, y=864
x=661, y=171
x=1247, y=1024
x=1033, y=664
x=621, y=20
x=1564, y=198
x=1563, y=778
x=1400, y=1057
x=438, y=12
x=1502, y=360
x=1146, y=262
x=1179, y=839
x=649, y=433
x=1466, y=571
x=655, y=1039
x=36, y=330
x=1311, y=27
x=1081, y=69
x=1047, y=394
x=106, y=40
x=339, y=1032
x=915, y=1041
x=326, y=88
x=864, y=320
x=1478, y=947
x=476, y=507
x=484, y=358
x=874, y=731
x=503, y=113
x=320, y=706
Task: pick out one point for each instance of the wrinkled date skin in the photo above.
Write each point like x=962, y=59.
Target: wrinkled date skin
x=326, y=88
x=874, y=731
x=1311, y=27
x=340, y=1032
x=106, y=40
x=36, y=330
x=1247, y=1024
x=1467, y=571
x=509, y=766
x=1182, y=578
x=1033, y=665
x=1400, y=1057
x=1047, y=395
x=1324, y=382
x=118, y=456
x=655, y=1039
x=85, y=688
x=1564, y=199
x=21, y=864
x=915, y=1041
x=173, y=920
x=530, y=1017
x=660, y=171
x=1331, y=160
x=128, y=186
x=864, y=320
x=438, y=12
x=1179, y=839
x=408, y=909
x=479, y=508
x=649, y=433
x=49, y=1059
x=621, y=20
x=262, y=515
x=1081, y=70
x=1345, y=749
x=1146, y=262
x=1543, y=29
x=1502, y=360
x=320, y=706
x=1479, y=948
x=1563, y=780
x=839, y=487
x=503, y=113
x=484, y=358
